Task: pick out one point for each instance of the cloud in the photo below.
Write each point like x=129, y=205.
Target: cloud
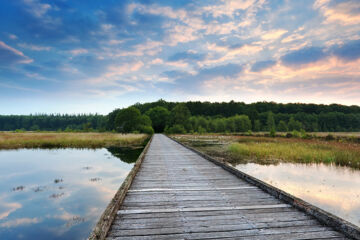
x=78, y=51
x=187, y=56
x=10, y=56
x=291, y=38
x=229, y=52
x=262, y=65
x=273, y=34
x=114, y=73
x=339, y=12
x=349, y=51
x=228, y=7
x=36, y=8
x=227, y=70
x=34, y=47
x=13, y=36
x=303, y=56
x=19, y=222
x=7, y=208
x=157, y=61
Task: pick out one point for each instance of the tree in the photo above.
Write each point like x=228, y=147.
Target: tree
x=242, y=123
x=159, y=117
x=257, y=125
x=180, y=114
x=294, y=124
x=282, y=127
x=130, y=120
x=270, y=122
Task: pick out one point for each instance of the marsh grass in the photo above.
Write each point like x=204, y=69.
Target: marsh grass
x=10, y=140
x=272, y=151
x=266, y=150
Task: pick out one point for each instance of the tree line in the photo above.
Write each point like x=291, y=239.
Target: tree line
x=200, y=117
x=53, y=122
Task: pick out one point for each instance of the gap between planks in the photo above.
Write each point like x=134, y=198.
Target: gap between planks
x=201, y=209
x=186, y=189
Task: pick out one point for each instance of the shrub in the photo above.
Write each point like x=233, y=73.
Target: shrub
x=148, y=130
x=249, y=133
x=296, y=134
x=272, y=133
x=329, y=137
x=177, y=128
x=289, y=135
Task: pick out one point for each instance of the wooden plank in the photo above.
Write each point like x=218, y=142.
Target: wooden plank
x=139, y=211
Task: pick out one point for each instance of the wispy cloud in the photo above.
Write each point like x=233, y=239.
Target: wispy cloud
x=36, y=8
x=9, y=55
x=340, y=12
x=34, y=47
x=19, y=222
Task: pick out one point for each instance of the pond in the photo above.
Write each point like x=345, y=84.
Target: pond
x=332, y=188
x=58, y=194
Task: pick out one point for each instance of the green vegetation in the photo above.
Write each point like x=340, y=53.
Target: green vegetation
x=68, y=140
x=130, y=120
x=159, y=117
x=264, y=150
x=53, y=122
x=298, y=151
x=199, y=117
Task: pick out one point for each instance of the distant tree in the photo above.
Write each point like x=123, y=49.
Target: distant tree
x=130, y=120
x=220, y=125
x=282, y=127
x=180, y=114
x=257, y=126
x=86, y=127
x=229, y=125
x=159, y=117
x=242, y=123
x=177, y=128
x=294, y=125
x=270, y=122
x=202, y=125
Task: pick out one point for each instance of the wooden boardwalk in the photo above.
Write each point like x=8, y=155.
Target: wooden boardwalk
x=177, y=194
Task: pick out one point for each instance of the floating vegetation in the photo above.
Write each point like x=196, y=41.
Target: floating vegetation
x=56, y=195
x=18, y=188
x=39, y=188
x=58, y=180
x=95, y=179
x=74, y=221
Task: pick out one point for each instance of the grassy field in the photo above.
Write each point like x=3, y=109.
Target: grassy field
x=266, y=150
x=10, y=140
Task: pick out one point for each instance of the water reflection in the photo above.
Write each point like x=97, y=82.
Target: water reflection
x=332, y=188
x=57, y=194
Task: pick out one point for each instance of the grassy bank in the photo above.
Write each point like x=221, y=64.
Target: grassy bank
x=9, y=140
x=264, y=150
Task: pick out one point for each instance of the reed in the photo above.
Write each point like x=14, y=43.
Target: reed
x=295, y=151
x=11, y=140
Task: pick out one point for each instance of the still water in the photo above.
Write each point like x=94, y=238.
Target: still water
x=58, y=194
x=333, y=188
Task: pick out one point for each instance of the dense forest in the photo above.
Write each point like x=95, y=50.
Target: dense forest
x=199, y=117
x=52, y=122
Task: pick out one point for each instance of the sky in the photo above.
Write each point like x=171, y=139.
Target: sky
x=91, y=56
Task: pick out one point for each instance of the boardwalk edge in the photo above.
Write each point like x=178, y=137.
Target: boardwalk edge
x=326, y=218
x=103, y=225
